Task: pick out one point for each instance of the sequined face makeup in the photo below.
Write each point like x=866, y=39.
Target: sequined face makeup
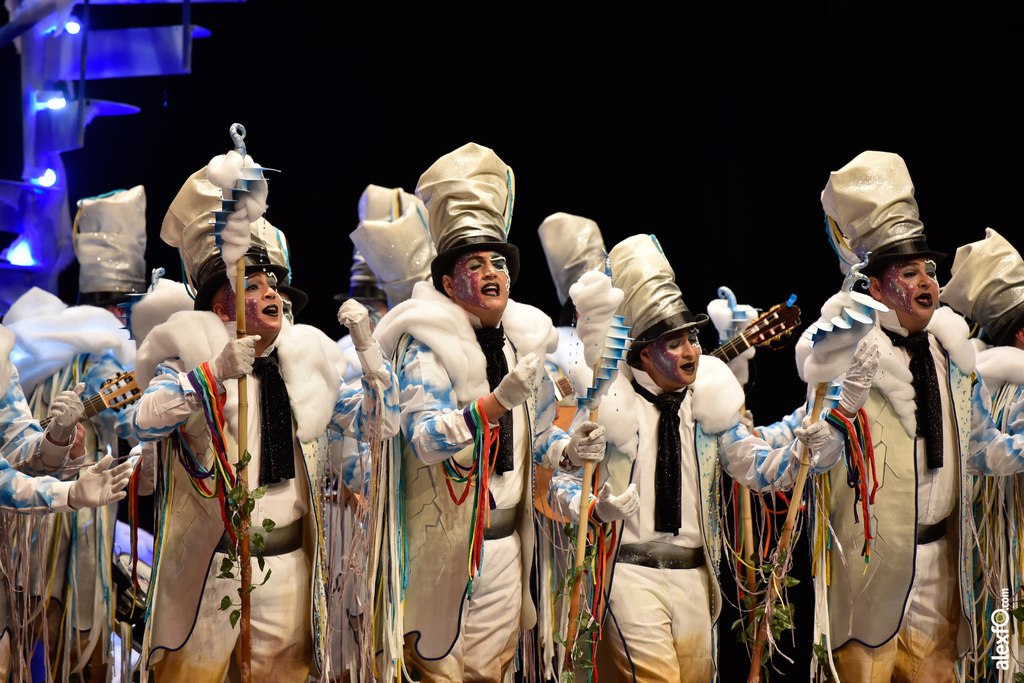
x=675, y=358
x=479, y=283
x=263, y=307
x=910, y=288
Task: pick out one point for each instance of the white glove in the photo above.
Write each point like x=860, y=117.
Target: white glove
x=356, y=318
x=235, y=359
x=65, y=412
x=859, y=377
x=586, y=443
x=611, y=508
x=813, y=435
x=516, y=386
x=747, y=420
x=97, y=486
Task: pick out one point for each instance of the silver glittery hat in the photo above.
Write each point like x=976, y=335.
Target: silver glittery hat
x=280, y=256
x=469, y=195
x=188, y=226
x=572, y=245
x=987, y=286
x=871, y=204
x=393, y=240
x=652, y=303
x=110, y=242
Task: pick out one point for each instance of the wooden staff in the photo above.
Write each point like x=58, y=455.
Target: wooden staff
x=581, y=549
x=787, y=531
x=243, y=480
x=747, y=522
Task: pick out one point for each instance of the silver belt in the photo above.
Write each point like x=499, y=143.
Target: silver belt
x=503, y=524
x=661, y=555
x=280, y=541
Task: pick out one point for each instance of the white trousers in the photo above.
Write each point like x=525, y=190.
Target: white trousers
x=281, y=633
x=490, y=621
x=660, y=624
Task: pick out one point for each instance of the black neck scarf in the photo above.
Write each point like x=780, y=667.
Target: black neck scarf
x=492, y=343
x=277, y=450
x=926, y=390
x=668, y=484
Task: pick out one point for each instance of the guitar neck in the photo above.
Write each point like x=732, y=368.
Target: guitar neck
x=94, y=405
x=731, y=349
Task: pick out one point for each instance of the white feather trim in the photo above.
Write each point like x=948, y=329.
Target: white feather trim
x=717, y=400
x=717, y=396
x=434, y=319
x=952, y=331
x=48, y=334
x=617, y=412
x=166, y=299
x=894, y=378
x=308, y=365
x=1001, y=364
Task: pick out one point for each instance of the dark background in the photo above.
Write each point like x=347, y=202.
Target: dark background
x=712, y=126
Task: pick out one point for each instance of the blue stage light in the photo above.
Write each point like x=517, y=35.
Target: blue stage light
x=47, y=179
x=20, y=253
x=72, y=27
x=56, y=103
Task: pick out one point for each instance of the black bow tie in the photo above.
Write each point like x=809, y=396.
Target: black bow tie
x=926, y=391
x=277, y=449
x=668, y=484
x=492, y=343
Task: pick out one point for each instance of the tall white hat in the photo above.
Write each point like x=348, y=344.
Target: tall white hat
x=572, y=246
x=110, y=242
x=652, y=303
x=469, y=195
x=393, y=240
x=870, y=203
x=987, y=286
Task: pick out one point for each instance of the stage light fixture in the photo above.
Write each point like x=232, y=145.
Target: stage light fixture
x=19, y=253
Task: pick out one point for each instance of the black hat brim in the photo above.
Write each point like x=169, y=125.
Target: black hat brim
x=213, y=282
x=905, y=250
x=103, y=299
x=297, y=297
x=681, y=321
x=443, y=262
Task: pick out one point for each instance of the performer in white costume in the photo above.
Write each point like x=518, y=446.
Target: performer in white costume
x=987, y=286
x=468, y=359
x=672, y=417
x=295, y=395
x=58, y=348
x=34, y=451
x=900, y=597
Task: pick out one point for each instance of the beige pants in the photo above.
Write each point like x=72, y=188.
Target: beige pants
x=282, y=642
x=924, y=650
x=490, y=621
x=660, y=624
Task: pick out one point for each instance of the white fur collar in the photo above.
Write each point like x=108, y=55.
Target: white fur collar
x=441, y=324
x=717, y=400
x=894, y=378
x=310, y=364
x=49, y=334
x=1001, y=364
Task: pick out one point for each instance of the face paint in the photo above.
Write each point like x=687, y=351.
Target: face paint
x=500, y=264
x=931, y=270
x=911, y=290
x=475, y=276
x=676, y=357
x=899, y=290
